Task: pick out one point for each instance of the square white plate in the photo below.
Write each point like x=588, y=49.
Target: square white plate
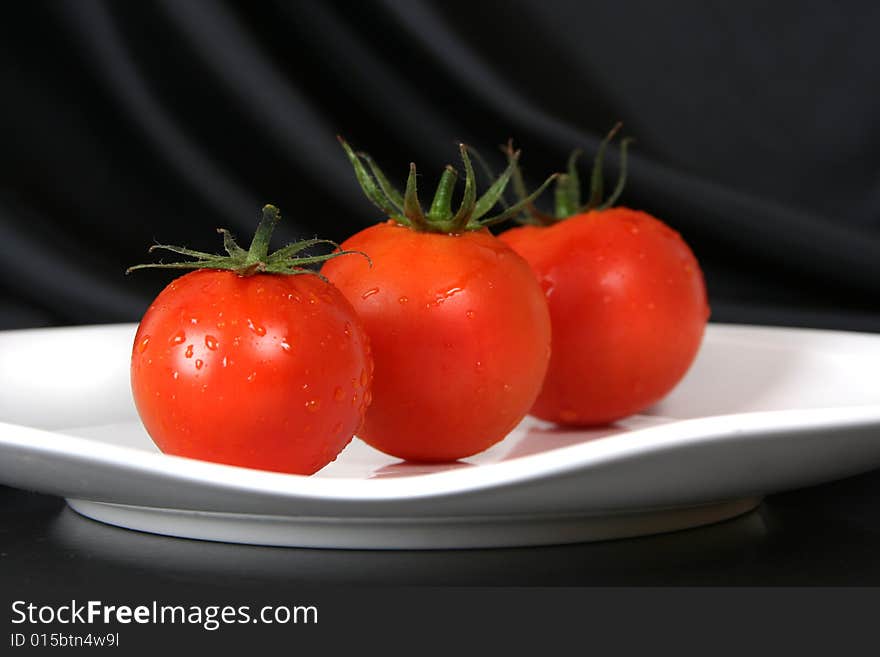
x=762, y=410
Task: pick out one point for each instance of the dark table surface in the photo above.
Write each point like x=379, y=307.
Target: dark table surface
x=823, y=535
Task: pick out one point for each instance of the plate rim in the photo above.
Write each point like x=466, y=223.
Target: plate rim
x=556, y=462
x=394, y=533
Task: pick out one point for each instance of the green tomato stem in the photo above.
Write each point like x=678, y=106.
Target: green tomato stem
x=441, y=206
x=407, y=209
x=257, y=258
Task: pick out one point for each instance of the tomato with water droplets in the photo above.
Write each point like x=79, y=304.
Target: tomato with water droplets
x=628, y=309
x=226, y=373
x=261, y=370
x=627, y=301
x=458, y=325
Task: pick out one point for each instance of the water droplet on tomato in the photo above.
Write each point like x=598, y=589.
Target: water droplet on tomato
x=478, y=366
x=236, y=341
x=251, y=377
x=143, y=344
x=189, y=351
x=178, y=338
x=313, y=405
x=446, y=295
x=211, y=342
x=193, y=320
x=368, y=399
x=224, y=362
x=293, y=296
x=339, y=394
x=305, y=386
x=285, y=345
x=199, y=363
x=507, y=387
x=469, y=314
x=175, y=375
x=347, y=329
x=256, y=328
x=403, y=300
x=369, y=293
x=365, y=377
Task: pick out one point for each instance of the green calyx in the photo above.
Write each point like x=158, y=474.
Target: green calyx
x=256, y=259
x=567, y=194
x=406, y=209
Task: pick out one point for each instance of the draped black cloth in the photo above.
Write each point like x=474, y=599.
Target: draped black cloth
x=123, y=123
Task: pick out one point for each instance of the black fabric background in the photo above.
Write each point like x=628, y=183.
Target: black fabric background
x=126, y=123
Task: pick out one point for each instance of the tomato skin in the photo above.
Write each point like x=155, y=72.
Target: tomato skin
x=264, y=371
x=460, y=334
x=628, y=308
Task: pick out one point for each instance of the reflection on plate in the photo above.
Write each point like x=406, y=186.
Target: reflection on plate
x=762, y=410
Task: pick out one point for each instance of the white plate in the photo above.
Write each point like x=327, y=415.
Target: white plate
x=762, y=410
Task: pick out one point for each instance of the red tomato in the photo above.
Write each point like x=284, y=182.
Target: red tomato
x=628, y=309
x=460, y=335
x=261, y=370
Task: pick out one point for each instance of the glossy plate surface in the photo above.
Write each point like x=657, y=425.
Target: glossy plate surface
x=762, y=410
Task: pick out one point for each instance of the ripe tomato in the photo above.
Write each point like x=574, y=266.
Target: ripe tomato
x=460, y=336
x=458, y=326
x=628, y=308
x=267, y=371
